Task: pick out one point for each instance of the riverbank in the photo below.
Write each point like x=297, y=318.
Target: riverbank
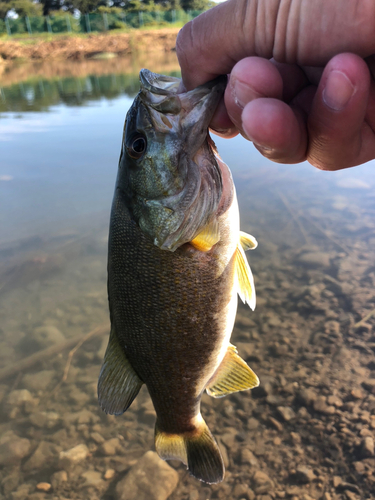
x=69, y=47
x=163, y=62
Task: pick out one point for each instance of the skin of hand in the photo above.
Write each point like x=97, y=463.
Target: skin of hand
x=299, y=84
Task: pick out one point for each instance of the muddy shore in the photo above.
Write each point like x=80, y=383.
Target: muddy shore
x=79, y=48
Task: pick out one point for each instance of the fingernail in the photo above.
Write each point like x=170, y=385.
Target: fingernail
x=263, y=149
x=241, y=92
x=338, y=90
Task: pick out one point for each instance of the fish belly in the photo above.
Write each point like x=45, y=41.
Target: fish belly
x=173, y=314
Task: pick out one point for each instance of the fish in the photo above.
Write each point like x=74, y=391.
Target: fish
x=176, y=263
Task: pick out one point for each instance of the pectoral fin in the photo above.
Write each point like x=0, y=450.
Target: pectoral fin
x=207, y=238
x=233, y=375
x=247, y=241
x=246, y=288
x=118, y=383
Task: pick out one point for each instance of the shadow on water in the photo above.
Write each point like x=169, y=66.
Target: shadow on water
x=306, y=433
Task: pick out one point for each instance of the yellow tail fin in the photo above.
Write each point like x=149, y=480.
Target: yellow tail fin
x=197, y=449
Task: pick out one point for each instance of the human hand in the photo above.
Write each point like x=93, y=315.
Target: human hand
x=299, y=86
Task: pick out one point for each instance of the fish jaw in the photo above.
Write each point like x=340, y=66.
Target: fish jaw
x=173, y=189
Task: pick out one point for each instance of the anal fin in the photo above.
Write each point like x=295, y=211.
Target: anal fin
x=118, y=383
x=245, y=280
x=233, y=375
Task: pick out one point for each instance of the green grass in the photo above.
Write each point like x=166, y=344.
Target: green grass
x=27, y=39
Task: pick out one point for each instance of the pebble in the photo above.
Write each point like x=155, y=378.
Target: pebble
x=367, y=447
x=92, y=478
x=73, y=456
x=304, y=475
x=149, y=479
x=98, y=438
x=18, y=400
x=44, y=419
x=248, y=457
x=286, y=413
x=321, y=406
x=357, y=394
x=262, y=482
x=334, y=401
x=13, y=449
x=109, y=474
x=110, y=447
x=43, y=486
x=275, y=424
x=369, y=385
x=59, y=478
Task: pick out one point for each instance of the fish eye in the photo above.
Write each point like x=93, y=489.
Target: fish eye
x=137, y=146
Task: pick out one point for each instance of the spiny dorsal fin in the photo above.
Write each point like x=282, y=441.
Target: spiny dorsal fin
x=246, y=288
x=247, y=241
x=207, y=238
x=233, y=375
x=196, y=448
x=118, y=383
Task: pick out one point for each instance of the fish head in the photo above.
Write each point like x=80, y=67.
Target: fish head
x=167, y=171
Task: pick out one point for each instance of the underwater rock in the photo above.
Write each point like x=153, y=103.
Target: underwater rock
x=367, y=447
x=58, y=478
x=73, y=456
x=262, y=482
x=38, y=381
x=92, y=478
x=286, y=413
x=110, y=447
x=47, y=335
x=304, y=475
x=149, y=479
x=13, y=449
x=45, y=453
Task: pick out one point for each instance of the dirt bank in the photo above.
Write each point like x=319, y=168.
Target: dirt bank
x=78, y=48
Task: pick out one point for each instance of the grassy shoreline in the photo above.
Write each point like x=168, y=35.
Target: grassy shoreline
x=85, y=46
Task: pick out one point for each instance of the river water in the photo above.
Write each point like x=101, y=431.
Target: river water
x=306, y=432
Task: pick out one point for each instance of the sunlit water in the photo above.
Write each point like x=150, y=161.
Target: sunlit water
x=314, y=271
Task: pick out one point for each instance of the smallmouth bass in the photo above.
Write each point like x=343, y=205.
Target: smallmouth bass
x=175, y=265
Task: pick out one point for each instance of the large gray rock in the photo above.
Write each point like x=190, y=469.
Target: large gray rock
x=13, y=449
x=149, y=479
x=44, y=455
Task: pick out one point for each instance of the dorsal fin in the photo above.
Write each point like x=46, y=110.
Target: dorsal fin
x=247, y=241
x=207, y=238
x=246, y=288
x=233, y=375
x=118, y=383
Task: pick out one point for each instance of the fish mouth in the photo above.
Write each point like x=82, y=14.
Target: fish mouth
x=160, y=94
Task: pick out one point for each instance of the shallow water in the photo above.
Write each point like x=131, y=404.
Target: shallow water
x=307, y=432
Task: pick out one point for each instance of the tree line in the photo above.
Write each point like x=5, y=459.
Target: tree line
x=33, y=8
